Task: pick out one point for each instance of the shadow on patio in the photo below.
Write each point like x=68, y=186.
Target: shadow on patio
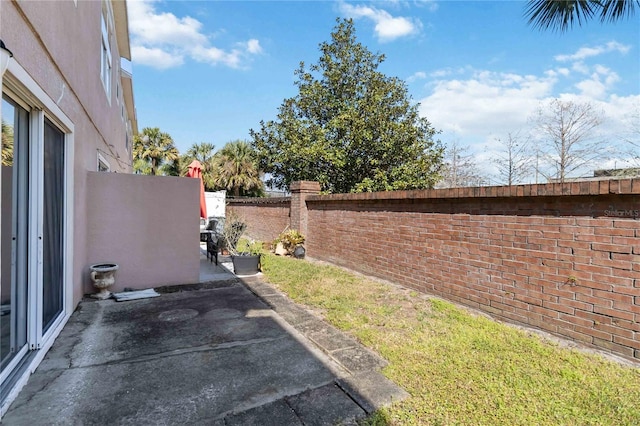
x=229, y=352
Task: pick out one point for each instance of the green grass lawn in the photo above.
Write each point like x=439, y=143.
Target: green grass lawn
x=462, y=368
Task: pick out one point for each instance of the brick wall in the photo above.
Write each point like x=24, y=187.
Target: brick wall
x=299, y=192
x=266, y=217
x=564, y=258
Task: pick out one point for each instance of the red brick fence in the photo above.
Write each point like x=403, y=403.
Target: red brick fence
x=564, y=258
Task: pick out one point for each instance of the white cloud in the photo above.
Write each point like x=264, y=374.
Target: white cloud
x=214, y=55
x=467, y=102
x=479, y=106
x=152, y=28
x=599, y=83
x=431, y=5
x=420, y=75
x=387, y=27
x=163, y=40
x=449, y=71
x=588, y=52
x=599, y=79
x=592, y=88
x=487, y=103
x=155, y=57
x=253, y=46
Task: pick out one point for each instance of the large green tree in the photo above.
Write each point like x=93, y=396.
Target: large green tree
x=235, y=168
x=151, y=149
x=562, y=14
x=350, y=127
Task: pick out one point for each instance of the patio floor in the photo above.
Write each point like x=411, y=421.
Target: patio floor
x=227, y=351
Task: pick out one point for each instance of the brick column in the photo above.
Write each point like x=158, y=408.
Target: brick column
x=300, y=190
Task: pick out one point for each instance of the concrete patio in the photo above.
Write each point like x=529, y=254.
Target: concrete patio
x=227, y=351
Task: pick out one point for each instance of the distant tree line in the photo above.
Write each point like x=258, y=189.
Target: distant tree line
x=233, y=168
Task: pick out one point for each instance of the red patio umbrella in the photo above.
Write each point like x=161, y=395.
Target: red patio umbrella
x=195, y=171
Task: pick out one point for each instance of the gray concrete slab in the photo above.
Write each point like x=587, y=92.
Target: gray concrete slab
x=371, y=390
x=209, y=271
x=326, y=405
x=275, y=413
x=216, y=355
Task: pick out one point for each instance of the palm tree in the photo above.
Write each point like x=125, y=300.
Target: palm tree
x=151, y=149
x=173, y=167
x=203, y=152
x=236, y=170
x=561, y=14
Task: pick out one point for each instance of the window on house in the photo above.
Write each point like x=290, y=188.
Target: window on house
x=105, y=58
x=127, y=139
x=103, y=164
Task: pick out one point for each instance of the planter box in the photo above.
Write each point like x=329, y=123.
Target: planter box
x=246, y=265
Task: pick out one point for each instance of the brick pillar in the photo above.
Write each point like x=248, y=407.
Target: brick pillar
x=300, y=190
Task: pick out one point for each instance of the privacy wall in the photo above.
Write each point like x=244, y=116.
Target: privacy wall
x=148, y=225
x=561, y=257
x=266, y=218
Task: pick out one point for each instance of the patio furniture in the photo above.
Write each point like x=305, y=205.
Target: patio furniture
x=212, y=239
x=212, y=244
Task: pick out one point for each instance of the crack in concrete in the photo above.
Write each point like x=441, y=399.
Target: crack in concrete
x=183, y=351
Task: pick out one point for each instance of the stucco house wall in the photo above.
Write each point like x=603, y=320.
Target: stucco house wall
x=143, y=223
x=58, y=44
x=148, y=225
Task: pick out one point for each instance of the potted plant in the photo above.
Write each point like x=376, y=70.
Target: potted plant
x=245, y=255
x=292, y=242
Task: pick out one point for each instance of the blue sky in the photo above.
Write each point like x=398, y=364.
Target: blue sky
x=208, y=71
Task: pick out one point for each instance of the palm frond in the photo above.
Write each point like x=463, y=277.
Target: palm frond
x=614, y=10
x=559, y=14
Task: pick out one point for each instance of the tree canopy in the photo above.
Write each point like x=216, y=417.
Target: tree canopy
x=350, y=127
x=204, y=153
x=459, y=168
x=235, y=169
x=151, y=150
x=567, y=137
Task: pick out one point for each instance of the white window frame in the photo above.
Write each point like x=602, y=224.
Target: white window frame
x=106, y=167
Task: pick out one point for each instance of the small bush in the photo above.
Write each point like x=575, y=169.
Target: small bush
x=253, y=248
x=291, y=239
x=233, y=229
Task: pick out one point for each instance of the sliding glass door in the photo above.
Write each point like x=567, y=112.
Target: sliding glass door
x=14, y=250
x=32, y=290
x=52, y=225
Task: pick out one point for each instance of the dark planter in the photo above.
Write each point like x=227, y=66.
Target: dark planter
x=246, y=264
x=299, y=252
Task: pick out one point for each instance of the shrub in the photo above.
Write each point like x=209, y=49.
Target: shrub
x=291, y=239
x=233, y=229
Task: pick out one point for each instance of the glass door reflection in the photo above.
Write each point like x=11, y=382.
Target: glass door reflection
x=14, y=232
